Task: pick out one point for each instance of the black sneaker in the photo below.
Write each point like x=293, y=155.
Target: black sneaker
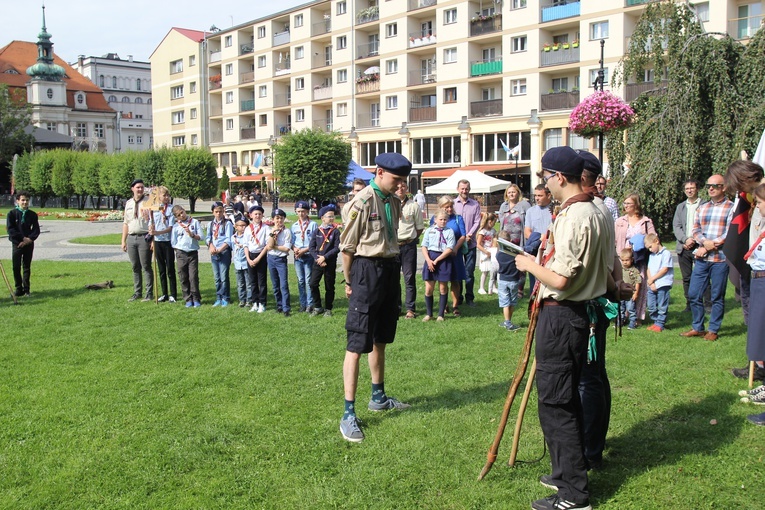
x=554, y=502
x=743, y=373
x=134, y=297
x=547, y=481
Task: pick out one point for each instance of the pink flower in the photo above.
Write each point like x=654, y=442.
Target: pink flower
x=600, y=112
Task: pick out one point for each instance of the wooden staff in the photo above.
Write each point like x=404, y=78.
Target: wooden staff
x=751, y=374
x=8, y=284
x=521, y=413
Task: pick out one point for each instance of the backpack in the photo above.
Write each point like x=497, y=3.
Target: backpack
x=639, y=251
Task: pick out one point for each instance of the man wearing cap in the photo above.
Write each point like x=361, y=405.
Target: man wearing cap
x=470, y=210
x=575, y=273
x=135, y=228
x=410, y=226
x=302, y=231
x=369, y=246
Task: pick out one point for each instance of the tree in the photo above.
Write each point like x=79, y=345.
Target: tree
x=223, y=182
x=191, y=173
x=21, y=172
x=15, y=115
x=152, y=165
x=85, y=177
x=40, y=172
x=312, y=164
x=64, y=162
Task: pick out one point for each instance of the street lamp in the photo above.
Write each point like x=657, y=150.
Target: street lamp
x=599, y=80
x=275, y=194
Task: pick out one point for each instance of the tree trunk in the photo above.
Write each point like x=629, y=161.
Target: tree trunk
x=192, y=203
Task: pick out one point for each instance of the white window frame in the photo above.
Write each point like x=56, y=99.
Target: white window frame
x=194, y=139
x=262, y=61
x=192, y=60
x=342, y=109
x=261, y=32
x=391, y=30
x=519, y=44
x=299, y=83
x=228, y=41
x=131, y=139
x=342, y=42
x=298, y=20
x=229, y=69
x=553, y=135
x=193, y=87
x=176, y=67
x=300, y=115
x=450, y=16
x=176, y=92
x=98, y=130
x=193, y=113
x=299, y=52
x=179, y=141
x=518, y=4
x=594, y=74
x=391, y=103
x=178, y=117
x=342, y=75
x=391, y=66
x=450, y=91
x=263, y=91
x=702, y=11
x=450, y=55
x=342, y=8
x=229, y=97
x=518, y=87
x=599, y=30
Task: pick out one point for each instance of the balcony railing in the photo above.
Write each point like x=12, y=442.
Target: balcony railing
x=216, y=111
x=282, y=100
x=744, y=28
x=486, y=108
x=283, y=129
x=321, y=61
x=486, y=26
x=323, y=124
x=417, y=39
x=484, y=67
x=559, y=100
x=368, y=86
x=321, y=93
x=420, y=4
x=281, y=68
x=215, y=85
x=247, y=133
x=558, y=57
x=248, y=105
x=420, y=77
x=368, y=15
x=216, y=136
x=322, y=27
x=245, y=48
x=559, y=9
x=281, y=38
x=633, y=90
x=368, y=50
x=368, y=120
x=247, y=77
x=215, y=56
x=419, y=113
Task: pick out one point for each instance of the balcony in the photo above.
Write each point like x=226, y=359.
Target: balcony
x=322, y=27
x=247, y=77
x=559, y=9
x=483, y=67
x=419, y=113
x=559, y=100
x=563, y=55
x=247, y=105
x=284, y=129
x=216, y=111
x=245, y=49
x=215, y=56
x=281, y=100
x=416, y=39
x=633, y=90
x=282, y=68
x=422, y=77
x=486, y=26
x=486, y=108
x=368, y=120
x=216, y=136
x=322, y=93
x=368, y=15
x=413, y=5
x=744, y=28
x=247, y=133
x=281, y=38
x=215, y=84
x=323, y=124
x=321, y=61
x=364, y=87
x=368, y=50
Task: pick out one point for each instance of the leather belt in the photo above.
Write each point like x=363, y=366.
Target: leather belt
x=402, y=243
x=551, y=302
x=758, y=274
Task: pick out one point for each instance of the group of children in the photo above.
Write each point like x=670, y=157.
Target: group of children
x=255, y=249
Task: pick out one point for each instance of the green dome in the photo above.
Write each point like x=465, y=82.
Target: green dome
x=47, y=72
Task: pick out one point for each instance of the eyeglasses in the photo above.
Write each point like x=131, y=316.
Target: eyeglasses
x=715, y=186
x=628, y=203
x=545, y=179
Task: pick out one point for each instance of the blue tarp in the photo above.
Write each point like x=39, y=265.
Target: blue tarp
x=355, y=171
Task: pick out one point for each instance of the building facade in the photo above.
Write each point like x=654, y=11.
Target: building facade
x=126, y=86
x=445, y=82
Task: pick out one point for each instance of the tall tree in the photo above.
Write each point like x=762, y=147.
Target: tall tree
x=190, y=173
x=85, y=177
x=312, y=164
x=64, y=162
x=40, y=175
x=15, y=115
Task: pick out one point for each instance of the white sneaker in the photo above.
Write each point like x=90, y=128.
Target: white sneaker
x=481, y=291
x=254, y=308
x=171, y=299
x=261, y=308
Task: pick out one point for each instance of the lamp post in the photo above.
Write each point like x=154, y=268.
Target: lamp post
x=600, y=79
x=275, y=194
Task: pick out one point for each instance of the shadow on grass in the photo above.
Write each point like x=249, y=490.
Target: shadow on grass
x=666, y=439
x=454, y=398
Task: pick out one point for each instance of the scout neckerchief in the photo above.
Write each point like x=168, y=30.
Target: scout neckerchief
x=755, y=245
x=137, y=201
x=163, y=210
x=255, y=234
x=236, y=238
x=388, y=213
x=216, y=228
x=23, y=213
x=441, y=238
x=303, y=229
x=326, y=236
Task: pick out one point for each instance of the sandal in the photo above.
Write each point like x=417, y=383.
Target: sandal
x=456, y=312
x=410, y=315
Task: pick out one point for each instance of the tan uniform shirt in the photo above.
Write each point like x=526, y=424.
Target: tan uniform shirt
x=610, y=231
x=136, y=222
x=582, y=253
x=366, y=231
x=410, y=222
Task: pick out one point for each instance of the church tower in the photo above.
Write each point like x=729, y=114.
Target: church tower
x=46, y=86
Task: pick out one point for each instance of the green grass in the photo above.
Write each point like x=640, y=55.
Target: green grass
x=115, y=239
x=110, y=404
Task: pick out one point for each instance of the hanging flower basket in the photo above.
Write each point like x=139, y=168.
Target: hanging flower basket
x=600, y=112
x=546, y=47
x=565, y=46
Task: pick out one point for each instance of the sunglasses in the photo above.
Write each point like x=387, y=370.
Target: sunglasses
x=715, y=186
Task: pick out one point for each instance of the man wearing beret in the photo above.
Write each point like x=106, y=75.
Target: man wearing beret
x=135, y=228
x=371, y=266
x=575, y=273
x=302, y=231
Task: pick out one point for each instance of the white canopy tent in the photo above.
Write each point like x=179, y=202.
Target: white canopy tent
x=479, y=183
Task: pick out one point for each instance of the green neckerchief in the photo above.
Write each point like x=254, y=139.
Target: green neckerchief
x=23, y=213
x=388, y=213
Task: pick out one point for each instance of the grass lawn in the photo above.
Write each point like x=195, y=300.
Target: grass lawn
x=113, y=239
x=110, y=404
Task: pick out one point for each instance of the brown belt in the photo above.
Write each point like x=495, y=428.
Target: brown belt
x=758, y=274
x=551, y=302
x=402, y=243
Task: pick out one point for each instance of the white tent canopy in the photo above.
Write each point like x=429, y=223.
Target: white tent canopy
x=479, y=183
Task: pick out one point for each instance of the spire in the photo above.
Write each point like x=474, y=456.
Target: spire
x=45, y=69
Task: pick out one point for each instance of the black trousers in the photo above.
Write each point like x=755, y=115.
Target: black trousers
x=329, y=272
x=259, y=281
x=595, y=394
x=408, y=255
x=188, y=272
x=166, y=265
x=561, y=350
x=22, y=259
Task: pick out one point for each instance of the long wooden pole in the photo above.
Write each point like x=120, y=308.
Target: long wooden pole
x=8, y=284
x=521, y=413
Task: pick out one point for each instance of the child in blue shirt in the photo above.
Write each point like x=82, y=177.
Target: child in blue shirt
x=302, y=231
x=659, y=278
x=243, y=285
x=279, y=245
x=218, y=241
x=184, y=239
x=509, y=279
x=437, y=247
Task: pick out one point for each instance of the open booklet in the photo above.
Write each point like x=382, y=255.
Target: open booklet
x=509, y=248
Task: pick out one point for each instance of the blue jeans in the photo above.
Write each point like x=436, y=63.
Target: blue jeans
x=714, y=275
x=243, y=284
x=277, y=266
x=470, y=278
x=220, y=264
x=658, y=304
x=630, y=312
x=303, y=267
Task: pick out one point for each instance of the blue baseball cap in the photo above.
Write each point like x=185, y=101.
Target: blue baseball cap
x=394, y=163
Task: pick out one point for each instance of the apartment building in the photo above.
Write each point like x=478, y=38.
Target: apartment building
x=126, y=84
x=445, y=82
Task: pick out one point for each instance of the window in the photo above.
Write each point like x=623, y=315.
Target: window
x=450, y=55
x=577, y=142
x=299, y=52
x=553, y=138
x=138, y=84
x=391, y=30
x=518, y=4
x=101, y=81
x=175, y=67
x=560, y=38
x=139, y=139
x=229, y=69
x=178, y=117
x=179, y=141
x=263, y=119
x=560, y=84
x=435, y=150
x=98, y=130
x=702, y=11
x=229, y=124
x=114, y=79
x=192, y=60
x=299, y=83
x=228, y=41
x=262, y=91
x=51, y=126
x=450, y=16
x=599, y=30
x=450, y=95
x=194, y=139
x=342, y=75
x=193, y=87
x=298, y=20
x=193, y=113
x=138, y=100
x=518, y=87
x=342, y=42
x=594, y=75
x=262, y=61
x=125, y=99
x=519, y=44
x=391, y=102
x=81, y=129
x=176, y=92
x=229, y=97
x=300, y=115
x=342, y=109
x=112, y=99
x=488, y=94
x=488, y=148
x=131, y=139
x=489, y=54
x=342, y=8
x=391, y=66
